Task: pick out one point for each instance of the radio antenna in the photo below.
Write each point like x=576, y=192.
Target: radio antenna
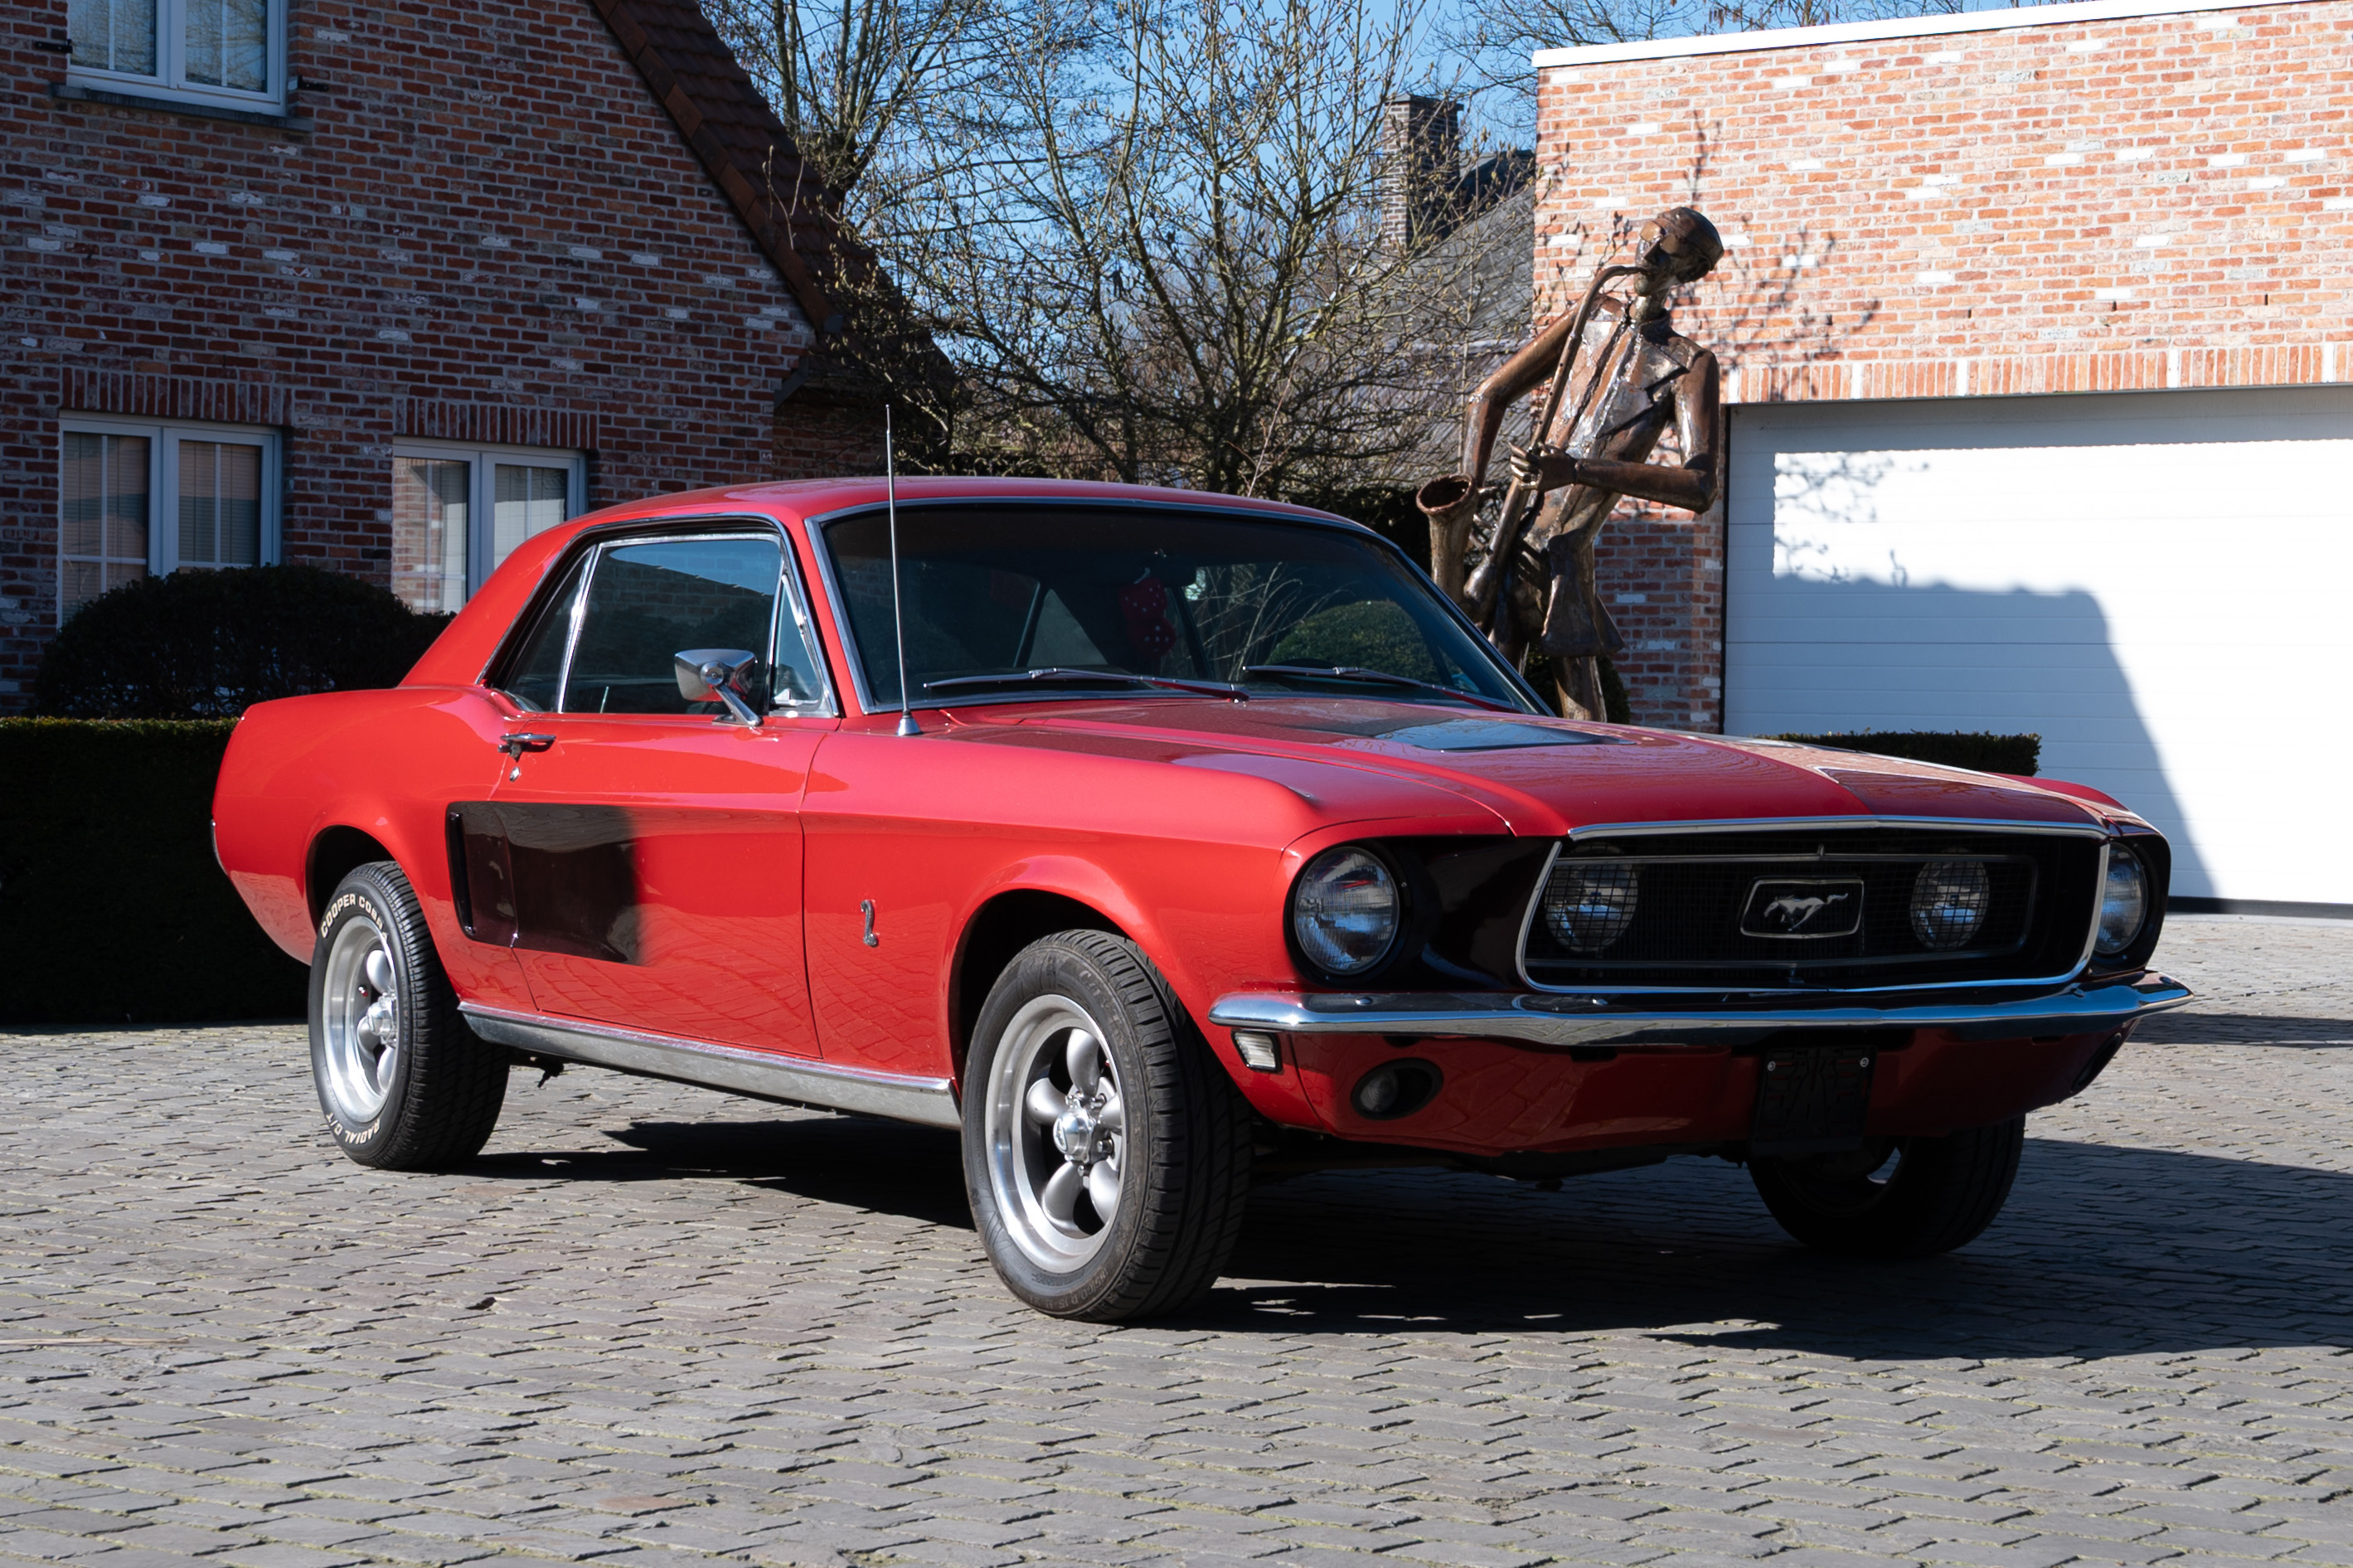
x=907, y=725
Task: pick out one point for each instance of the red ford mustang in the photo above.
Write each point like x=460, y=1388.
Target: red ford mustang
x=1214, y=843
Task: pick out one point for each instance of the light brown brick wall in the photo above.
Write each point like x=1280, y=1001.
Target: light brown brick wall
x=350, y=290
x=2149, y=202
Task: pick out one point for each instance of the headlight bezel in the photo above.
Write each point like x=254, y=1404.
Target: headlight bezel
x=2121, y=855
x=1400, y=906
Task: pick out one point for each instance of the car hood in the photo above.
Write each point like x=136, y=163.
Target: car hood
x=1543, y=776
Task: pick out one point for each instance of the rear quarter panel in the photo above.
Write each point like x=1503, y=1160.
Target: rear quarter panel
x=384, y=763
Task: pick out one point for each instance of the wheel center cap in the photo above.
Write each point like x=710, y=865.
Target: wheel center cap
x=1074, y=1134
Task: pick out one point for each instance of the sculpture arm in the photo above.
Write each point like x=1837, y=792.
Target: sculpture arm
x=1513, y=380
x=1691, y=485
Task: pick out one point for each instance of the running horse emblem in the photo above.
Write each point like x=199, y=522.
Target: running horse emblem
x=1793, y=912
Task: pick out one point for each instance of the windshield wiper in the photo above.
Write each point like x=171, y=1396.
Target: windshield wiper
x=1063, y=675
x=1374, y=678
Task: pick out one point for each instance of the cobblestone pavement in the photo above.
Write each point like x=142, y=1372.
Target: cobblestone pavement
x=658, y=1327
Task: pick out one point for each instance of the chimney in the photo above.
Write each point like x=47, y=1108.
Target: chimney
x=1421, y=148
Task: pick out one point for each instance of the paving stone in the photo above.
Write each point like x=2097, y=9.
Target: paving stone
x=728, y=1332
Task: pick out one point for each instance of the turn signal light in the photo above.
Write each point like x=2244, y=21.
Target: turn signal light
x=1259, y=1053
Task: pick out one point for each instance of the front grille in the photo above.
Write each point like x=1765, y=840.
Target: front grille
x=1813, y=908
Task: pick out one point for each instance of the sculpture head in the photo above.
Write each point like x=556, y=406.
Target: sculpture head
x=1676, y=248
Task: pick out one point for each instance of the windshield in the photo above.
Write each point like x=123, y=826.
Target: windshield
x=1127, y=592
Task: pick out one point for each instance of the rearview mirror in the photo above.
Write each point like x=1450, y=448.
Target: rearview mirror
x=719, y=674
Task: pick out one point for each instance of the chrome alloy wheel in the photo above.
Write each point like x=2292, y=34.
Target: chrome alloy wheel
x=361, y=1002
x=1056, y=1133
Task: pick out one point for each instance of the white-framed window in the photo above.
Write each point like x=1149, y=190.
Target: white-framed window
x=227, y=52
x=458, y=511
x=136, y=498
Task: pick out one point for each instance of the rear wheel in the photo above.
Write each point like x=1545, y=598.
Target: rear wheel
x=1894, y=1198
x=405, y=1085
x=1106, y=1156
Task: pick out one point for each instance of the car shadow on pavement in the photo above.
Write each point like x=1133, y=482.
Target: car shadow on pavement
x=2102, y=1250
x=2189, y=1028
x=853, y=1162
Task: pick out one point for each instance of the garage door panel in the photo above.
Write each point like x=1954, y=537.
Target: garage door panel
x=2153, y=582
x=2019, y=424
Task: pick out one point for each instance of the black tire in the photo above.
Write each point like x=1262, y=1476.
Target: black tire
x=1183, y=1152
x=1939, y=1193
x=435, y=1104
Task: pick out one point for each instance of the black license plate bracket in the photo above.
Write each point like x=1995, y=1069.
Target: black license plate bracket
x=1813, y=1098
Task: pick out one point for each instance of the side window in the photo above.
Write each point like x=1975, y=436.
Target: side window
x=536, y=678
x=647, y=603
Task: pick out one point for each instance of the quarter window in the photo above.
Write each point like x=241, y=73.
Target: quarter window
x=459, y=512
x=225, y=51
x=139, y=499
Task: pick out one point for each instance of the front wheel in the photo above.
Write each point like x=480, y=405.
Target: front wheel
x=1106, y=1156
x=1894, y=1198
x=405, y=1085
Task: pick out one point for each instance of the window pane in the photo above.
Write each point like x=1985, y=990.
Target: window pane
x=228, y=44
x=537, y=677
x=650, y=603
x=113, y=35
x=220, y=503
x=102, y=516
x=526, y=499
x=429, y=531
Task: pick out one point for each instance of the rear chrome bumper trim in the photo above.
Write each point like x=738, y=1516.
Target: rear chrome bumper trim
x=1550, y=1019
x=930, y=1102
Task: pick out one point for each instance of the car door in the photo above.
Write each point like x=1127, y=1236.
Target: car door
x=643, y=851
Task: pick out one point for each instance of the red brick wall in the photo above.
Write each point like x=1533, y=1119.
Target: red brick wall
x=490, y=231
x=2068, y=206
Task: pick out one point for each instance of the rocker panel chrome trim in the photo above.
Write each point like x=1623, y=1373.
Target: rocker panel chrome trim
x=929, y=1102
x=1592, y=1020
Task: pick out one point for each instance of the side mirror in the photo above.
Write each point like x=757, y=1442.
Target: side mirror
x=719, y=674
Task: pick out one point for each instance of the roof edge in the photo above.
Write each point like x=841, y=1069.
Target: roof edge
x=2008, y=17
x=770, y=231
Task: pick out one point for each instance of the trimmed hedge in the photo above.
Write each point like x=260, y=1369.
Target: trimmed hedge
x=112, y=909
x=198, y=645
x=1978, y=749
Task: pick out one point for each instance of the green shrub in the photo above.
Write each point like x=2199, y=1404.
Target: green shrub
x=197, y=645
x=112, y=909
x=1979, y=749
x=1376, y=634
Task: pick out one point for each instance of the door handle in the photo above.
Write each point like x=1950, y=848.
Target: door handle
x=514, y=745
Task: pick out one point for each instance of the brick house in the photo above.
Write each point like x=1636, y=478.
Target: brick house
x=388, y=289
x=2038, y=326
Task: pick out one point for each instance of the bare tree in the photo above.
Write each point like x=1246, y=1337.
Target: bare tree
x=858, y=82
x=1172, y=268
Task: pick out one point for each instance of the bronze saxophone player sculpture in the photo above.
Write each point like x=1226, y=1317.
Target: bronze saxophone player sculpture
x=1535, y=585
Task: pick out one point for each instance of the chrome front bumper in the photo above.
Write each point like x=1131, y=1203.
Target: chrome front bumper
x=1546, y=1019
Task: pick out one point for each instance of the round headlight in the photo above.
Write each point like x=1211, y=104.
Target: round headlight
x=1588, y=905
x=1949, y=902
x=1344, y=911
x=2124, y=902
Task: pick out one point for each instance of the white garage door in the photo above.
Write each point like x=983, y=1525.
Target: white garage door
x=2158, y=583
